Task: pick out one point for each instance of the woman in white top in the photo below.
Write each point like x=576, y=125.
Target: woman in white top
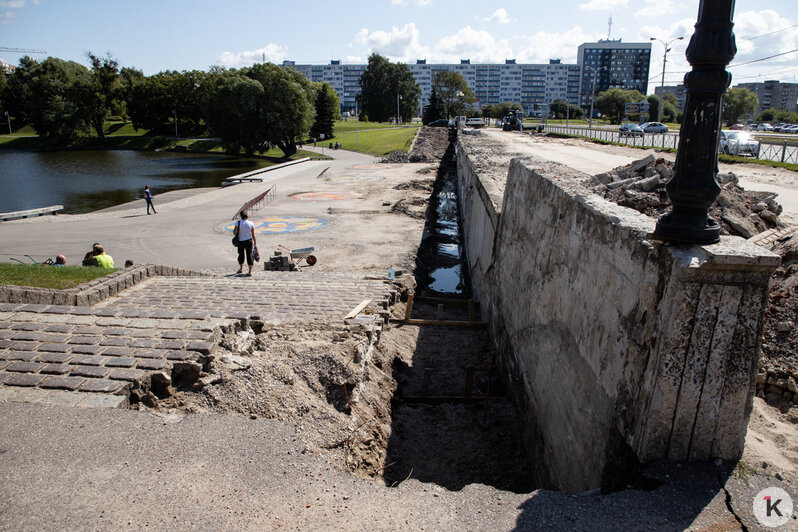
x=245, y=230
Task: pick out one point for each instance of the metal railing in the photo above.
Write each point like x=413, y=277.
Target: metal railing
x=783, y=152
x=258, y=202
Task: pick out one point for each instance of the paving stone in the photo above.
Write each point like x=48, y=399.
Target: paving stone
x=172, y=344
x=63, y=398
x=4, y=364
x=103, y=386
x=23, y=346
x=175, y=334
x=113, y=322
x=182, y=355
x=5, y=334
x=201, y=347
x=62, y=383
x=95, y=372
x=60, y=309
x=107, y=312
x=5, y=324
x=88, y=330
x=88, y=360
x=55, y=348
x=4, y=344
x=115, y=341
x=118, y=331
x=151, y=353
x=143, y=324
x=54, y=318
x=151, y=363
x=141, y=333
x=119, y=351
x=121, y=362
x=27, y=326
x=59, y=328
x=144, y=342
x=26, y=356
x=23, y=379
x=33, y=336
x=81, y=320
x=55, y=358
x=53, y=338
x=104, y=401
x=88, y=349
x=24, y=367
x=130, y=375
x=56, y=369
x=85, y=340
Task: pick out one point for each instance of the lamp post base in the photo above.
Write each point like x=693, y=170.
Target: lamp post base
x=689, y=228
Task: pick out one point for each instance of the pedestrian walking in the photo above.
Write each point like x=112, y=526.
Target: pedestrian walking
x=148, y=199
x=245, y=231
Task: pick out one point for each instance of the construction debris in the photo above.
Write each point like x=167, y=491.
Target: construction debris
x=640, y=185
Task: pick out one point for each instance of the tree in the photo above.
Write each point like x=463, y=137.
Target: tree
x=434, y=110
x=454, y=92
x=103, y=92
x=382, y=84
x=500, y=110
x=128, y=79
x=738, y=102
x=328, y=110
x=612, y=103
x=768, y=115
x=653, y=107
x=235, y=113
x=56, y=104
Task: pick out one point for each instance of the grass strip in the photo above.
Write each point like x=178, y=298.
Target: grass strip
x=45, y=276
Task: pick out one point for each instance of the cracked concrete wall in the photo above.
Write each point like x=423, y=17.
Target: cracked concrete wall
x=615, y=346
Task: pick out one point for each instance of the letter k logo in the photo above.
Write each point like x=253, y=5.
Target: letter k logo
x=772, y=507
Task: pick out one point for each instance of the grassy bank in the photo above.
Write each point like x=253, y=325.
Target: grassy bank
x=44, y=276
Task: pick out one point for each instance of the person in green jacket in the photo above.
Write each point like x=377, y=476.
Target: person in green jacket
x=103, y=259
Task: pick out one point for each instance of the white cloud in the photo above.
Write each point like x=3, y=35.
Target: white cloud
x=499, y=17
x=543, y=45
x=273, y=53
x=600, y=5
x=477, y=45
x=657, y=8
x=12, y=4
x=419, y=3
x=8, y=16
x=398, y=44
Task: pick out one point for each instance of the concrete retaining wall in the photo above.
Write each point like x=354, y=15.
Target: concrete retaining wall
x=92, y=292
x=618, y=349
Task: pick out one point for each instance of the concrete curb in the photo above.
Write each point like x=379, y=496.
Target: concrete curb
x=92, y=292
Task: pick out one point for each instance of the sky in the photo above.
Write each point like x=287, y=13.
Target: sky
x=185, y=35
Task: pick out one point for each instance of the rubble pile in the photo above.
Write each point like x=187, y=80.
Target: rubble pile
x=279, y=263
x=641, y=186
x=430, y=146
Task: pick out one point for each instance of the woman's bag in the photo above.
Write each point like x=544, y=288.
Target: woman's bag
x=235, y=236
x=255, y=254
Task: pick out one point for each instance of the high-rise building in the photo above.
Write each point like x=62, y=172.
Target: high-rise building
x=676, y=90
x=775, y=94
x=612, y=63
x=525, y=84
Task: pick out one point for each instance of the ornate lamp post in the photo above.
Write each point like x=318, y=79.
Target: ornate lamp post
x=667, y=46
x=694, y=187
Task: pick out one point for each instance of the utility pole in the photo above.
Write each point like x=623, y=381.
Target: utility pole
x=593, y=93
x=662, y=81
x=397, y=108
x=9, y=122
x=174, y=112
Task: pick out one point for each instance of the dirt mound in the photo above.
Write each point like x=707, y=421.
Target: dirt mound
x=430, y=146
x=641, y=186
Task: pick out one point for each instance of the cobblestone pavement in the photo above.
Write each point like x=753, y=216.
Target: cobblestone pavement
x=69, y=355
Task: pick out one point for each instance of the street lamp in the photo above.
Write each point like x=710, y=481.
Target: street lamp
x=9, y=122
x=593, y=93
x=664, y=60
x=398, y=116
x=174, y=112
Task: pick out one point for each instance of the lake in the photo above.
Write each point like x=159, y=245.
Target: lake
x=84, y=181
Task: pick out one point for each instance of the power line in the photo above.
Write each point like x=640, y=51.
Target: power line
x=762, y=59
x=771, y=33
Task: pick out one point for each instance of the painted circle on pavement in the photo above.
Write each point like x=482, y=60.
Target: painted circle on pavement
x=325, y=196
x=371, y=166
x=356, y=177
x=282, y=224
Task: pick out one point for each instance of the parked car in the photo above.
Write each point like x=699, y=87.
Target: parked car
x=475, y=122
x=631, y=130
x=654, y=127
x=790, y=129
x=739, y=143
x=764, y=127
x=737, y=127
x=441, y=122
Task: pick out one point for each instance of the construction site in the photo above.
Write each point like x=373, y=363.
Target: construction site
x=487, y=339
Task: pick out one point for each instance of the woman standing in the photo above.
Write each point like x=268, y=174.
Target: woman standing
x=148, y=199
x=245, y=231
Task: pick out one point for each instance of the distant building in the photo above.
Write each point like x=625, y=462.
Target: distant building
x=676, y=90
x=775, y=94
x=6, y=68
x=615, y=64
x=492, y=83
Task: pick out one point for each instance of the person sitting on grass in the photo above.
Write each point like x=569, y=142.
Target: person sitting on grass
x=60, y=260
x=103, y=259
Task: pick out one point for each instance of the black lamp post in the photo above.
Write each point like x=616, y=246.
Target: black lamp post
x=694, y=186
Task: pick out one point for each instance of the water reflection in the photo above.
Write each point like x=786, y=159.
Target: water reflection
x=89, y=180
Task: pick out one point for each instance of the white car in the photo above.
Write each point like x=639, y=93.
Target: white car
x=654, y=127
x=475, y=122
x=764, y=127
x=739, y=143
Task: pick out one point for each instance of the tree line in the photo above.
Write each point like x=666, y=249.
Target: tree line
x=251, y=109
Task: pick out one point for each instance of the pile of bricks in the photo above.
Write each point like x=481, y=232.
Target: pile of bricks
x=279, y=263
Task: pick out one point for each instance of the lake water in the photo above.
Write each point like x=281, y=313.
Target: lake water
x=84, y=181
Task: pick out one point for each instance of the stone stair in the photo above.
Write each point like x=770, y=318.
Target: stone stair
x=95, y=356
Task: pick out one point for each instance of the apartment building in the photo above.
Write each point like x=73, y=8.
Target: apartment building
x=775, y=94
x=676, y=90
x=527, y=84
x=612, y=63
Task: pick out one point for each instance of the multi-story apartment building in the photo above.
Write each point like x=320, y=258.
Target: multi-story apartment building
x=676, y=90
x=612, y=63
x=775, y=94
x=6, y=68
x=526, y=84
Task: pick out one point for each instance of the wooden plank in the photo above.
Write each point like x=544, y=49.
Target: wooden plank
x=438, y=322
x=30, y=212
x=358, y=309
x=409, y=306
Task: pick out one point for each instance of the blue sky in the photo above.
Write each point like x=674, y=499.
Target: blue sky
x=184, y=35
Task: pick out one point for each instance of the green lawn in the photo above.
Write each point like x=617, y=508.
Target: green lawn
x=376, y=141
x=352, y=124
x=44, y=276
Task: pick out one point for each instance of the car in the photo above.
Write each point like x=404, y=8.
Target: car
x=441, y=122
x=764, y=127
x=737, y=127
x=631, y=130
x=475, y=122
x=739, y=143
x=654, y=127
x=789, y=129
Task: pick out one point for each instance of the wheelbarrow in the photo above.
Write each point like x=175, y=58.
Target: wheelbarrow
x=298, y=255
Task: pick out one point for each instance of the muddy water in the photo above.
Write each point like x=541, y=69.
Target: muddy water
x=440, y=264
